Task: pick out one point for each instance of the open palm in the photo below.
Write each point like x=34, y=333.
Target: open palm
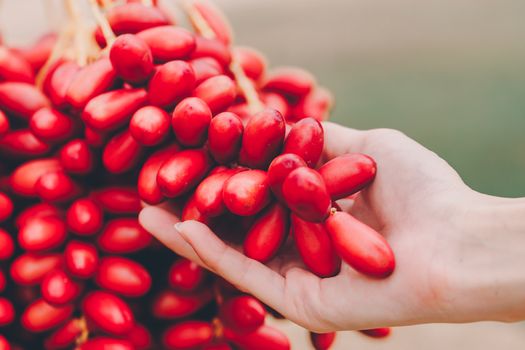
x=412, y=202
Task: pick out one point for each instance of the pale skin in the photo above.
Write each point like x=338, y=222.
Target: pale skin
x=460, y=255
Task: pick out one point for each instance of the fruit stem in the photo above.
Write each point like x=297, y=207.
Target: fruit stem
x=218, y=328
x=84, y=331
x=102, y=21
x=79, y=35
x=245, y=85
x=57, y=52
x=333, y=210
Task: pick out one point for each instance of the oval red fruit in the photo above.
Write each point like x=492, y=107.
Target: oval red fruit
x=123, y=276
x=168, y=43
x=225, y=137
x=76, y=157
x=149, y=125
x=24, y=178
x=247, y=192
x=188, y=335
x=50, y=125
x=279, y=169
x=58, y=288
x=84, y=217
x=7, y=246
x=108, y=313
x=131, y=58
x=81, y=259
x=6, y=207
x=105, y=343
x=147, y=186
x=169, y=304
x=208, y=195
x=190, y=121
x=264, y=338
x=122, y=236
x=171, y=83
x=185, y=275
x=30, y=269
x=218, y=92
x=7, y=312
x=121, y=153
x=118, y=200
x=377, y=332
x=243, y=313
x=42, y=233
x=322, y=341
x=57, y=186
x=291, y=81
x=306, y=139
x=41, y=316
x=21, y=99
x=65, y=336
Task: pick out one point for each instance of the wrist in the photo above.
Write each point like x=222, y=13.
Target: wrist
x=489, y=260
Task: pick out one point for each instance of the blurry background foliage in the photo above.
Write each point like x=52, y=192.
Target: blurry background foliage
x=449, y=73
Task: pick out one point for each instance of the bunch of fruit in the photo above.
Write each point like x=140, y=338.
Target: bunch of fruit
x=94, y=126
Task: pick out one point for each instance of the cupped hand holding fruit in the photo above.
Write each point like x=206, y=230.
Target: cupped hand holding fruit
x=445, y=268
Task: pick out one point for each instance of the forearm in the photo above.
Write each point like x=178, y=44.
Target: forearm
x=491, y=260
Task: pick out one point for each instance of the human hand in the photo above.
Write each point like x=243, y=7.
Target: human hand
x=417, y=201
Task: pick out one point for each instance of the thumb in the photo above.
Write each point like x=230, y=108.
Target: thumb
x=339, y=140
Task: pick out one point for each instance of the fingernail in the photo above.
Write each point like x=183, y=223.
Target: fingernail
x=178, y=226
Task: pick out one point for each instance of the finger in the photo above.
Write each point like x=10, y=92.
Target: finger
x=339, y=140
x=160, y=223
x=246, y=274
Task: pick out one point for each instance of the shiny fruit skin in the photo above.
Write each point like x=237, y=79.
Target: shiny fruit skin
x=305, y=193
x=213, y=48
x=306, y=139
x=121, y=153
x=246, y=193
x=14, y=67
x=21, y=99
x=171, y=305
x=168, y=43
x=123, y=236
x=218, y=92
x=135, y=17
x=322, y=341
x=377, y=332
x=315, y=247
x=205, y=68
x=51, y=125
x=360, y=246
x=6, y=207
x=81, y=259
x=58, y=288
x=64, y=337
x=147, y=186
x=84, y=217
x=317, y=104
x=58, y=81
x=190, y=121
x=225, y=137
x=208, y=195
x=149, y=125
x=188, y=335
x=23, y=144
x=105, y=343
x=131, y=58
x=348, y=174
x=118, y=200
x=186, y=276
x=279, y=169
x=290, y=81
x=243, y=313
x=262, y=139
x=267, y=234
x=171, y=82
x=7, y=245
x=183, y=171
x=108, y=313
x=24, y=178
x=76, y=157
x=123, y=276
x=31, y=268
x=42, y=233
x=7, y=312
x=41, y=316
x=57, y=186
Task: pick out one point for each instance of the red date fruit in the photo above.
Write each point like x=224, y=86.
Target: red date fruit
x=212, y=48
x=168, y=43
x=76, y=157
x=118, y=200
x=57, y=83
x=13, y=67
x=267, y=234
x=220, y=346
x=208, y=195
x=149, y=125
x=122, y=236
x=21, y=99
x=252, y=61
x=121, y=153
x=4, y=124
x=113, y=109
x=279, y=169
x=172, y=82
x=170, y=305
x=131, y=58
x=7, y=312
x=123, y=276
x=377, y=332
x=6, y=207
x=50, y=125
x=183, y=171
x=247, y=192
x=56, y=186
x=140, y=337
x=243, y=313
x=264, y=338
x=58, y=288
x=322, y=341
x=135, y=17
x=191, y=212
x=188, y=335
x=30, y=269
x=23, y=144
x=276, y=101
x=4, y=344
x=216, y=20
x=42, y=233
x=81, y=259
x=108, y=313
x=65, y=336
x=218, y=92
x=306, y=139
x=317, y=104
x=205, y=68
x=315, y=247
x=263, y=138
x=190, y=121
x=89, y=82
x=7, y=246
x=305, y=193
x=24, y=178
x=348, y=174
x=41, y=316
x=84, y=217
x=360, y=246
x=104, y=343
x=290, y=81
x=185, y=275
x=225, y=137
x=148, y=188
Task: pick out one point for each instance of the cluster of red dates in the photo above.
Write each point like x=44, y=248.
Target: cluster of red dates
x=161, y=113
